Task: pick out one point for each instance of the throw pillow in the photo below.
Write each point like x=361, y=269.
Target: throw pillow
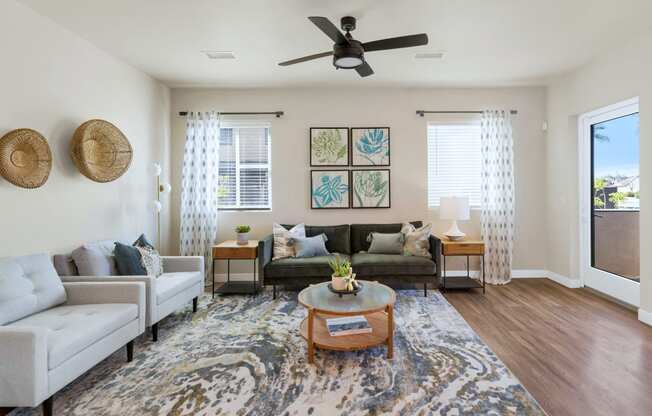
x=282, y=236
x=142, y=241
x=95, y=259
x=383, y=243
x=128, y=260
x=150, y=258
x=310, y=246
x=151, y=261
x=416, y=240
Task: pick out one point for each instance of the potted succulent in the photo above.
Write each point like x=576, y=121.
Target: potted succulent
x=243, y=234
x=343, y=277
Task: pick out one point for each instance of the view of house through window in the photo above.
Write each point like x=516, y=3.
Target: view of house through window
x=245, y=168
x=454, y=161
x=616, y=203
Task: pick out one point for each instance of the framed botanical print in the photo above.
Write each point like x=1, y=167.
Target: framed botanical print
x=370, y=146
x=370, y=188
x=329, y=189
x=329, y=146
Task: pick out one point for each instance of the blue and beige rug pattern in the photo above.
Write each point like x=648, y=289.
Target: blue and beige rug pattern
x=243, y=355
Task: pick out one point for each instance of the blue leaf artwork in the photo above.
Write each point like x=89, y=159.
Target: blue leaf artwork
x=330, y=189
x=370, y=146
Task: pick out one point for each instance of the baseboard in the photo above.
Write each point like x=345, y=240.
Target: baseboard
x=645, y=316
x=516, y=274
x=564, y=280
x=529, y=274
x=236, y=277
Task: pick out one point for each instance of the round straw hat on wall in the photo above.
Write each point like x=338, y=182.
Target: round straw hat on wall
x=25, y=158
x=100, y=151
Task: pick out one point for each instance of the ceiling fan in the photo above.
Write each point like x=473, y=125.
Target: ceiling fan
x=347, y=52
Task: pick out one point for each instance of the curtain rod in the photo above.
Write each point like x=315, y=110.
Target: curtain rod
x=245, y=113
x=423, y=112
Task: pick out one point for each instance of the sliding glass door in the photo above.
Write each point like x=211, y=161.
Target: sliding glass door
x=611, y=182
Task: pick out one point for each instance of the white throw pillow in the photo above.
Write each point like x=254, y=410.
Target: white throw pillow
x=416, y=240
x=150, y=260
x=282, y=236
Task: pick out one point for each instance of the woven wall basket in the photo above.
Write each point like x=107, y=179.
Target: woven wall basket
x=25, y=158
x=100, y=151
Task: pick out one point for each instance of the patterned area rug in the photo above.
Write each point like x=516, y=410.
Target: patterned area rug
x=243, y=355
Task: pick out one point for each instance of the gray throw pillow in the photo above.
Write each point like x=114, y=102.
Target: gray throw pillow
x=310, y=246
x=382, y=243
x=95, y=259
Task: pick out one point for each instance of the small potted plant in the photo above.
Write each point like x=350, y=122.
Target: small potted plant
x=343, y=276
x=243, y=234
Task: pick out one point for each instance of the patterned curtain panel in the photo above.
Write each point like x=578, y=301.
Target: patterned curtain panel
x=497, y=193
x=199, y=184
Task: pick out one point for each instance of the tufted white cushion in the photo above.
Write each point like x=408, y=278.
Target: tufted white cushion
x=72, y=328
x=28, y=284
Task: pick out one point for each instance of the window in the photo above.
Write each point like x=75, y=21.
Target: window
x=245, y=179
x=454, y=161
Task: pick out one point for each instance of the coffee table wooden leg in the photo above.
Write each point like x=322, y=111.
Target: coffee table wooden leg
x=390, y=332
x=311, y=344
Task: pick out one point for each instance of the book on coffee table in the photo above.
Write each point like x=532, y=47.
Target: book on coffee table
x=349, y=325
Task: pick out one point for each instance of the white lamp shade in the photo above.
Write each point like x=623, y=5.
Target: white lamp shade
x=165, y=188
x=156, y=206
x=156, y=169
x=454, y=208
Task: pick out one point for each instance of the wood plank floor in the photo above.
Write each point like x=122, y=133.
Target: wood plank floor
x=576, y=352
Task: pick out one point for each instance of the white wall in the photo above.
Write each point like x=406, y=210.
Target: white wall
x=622, y=73
x=391, y=107
x=52, y=81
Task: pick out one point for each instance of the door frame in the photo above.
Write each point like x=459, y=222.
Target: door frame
x=611, y=284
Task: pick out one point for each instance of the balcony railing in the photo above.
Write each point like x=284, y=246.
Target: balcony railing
x=616, y=242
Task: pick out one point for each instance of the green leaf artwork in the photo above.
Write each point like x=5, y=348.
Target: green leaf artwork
x=371, y=189
x=329, y=147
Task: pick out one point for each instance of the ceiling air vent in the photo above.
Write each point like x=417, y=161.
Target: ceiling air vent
x=219, y=54
x=430, y=55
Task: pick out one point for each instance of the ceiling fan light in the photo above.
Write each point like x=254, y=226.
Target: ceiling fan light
x=348, y=62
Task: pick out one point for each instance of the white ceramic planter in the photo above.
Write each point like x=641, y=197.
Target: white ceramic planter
x=243, y=238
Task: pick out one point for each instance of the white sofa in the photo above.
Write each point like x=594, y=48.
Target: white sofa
x=53, y=332
x=181, y=282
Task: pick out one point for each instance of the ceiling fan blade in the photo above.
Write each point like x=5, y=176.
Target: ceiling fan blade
x=364, y=70
x=306, y=58
x=329, y=29
x=395, y=43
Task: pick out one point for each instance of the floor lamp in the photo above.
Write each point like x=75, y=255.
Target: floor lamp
x=161, y=189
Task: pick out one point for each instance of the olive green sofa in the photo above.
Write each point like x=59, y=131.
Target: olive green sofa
x=350, y=242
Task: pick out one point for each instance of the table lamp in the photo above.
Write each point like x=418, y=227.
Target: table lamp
x=454, y=208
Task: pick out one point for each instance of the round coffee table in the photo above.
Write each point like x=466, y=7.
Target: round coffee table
x=375, y=301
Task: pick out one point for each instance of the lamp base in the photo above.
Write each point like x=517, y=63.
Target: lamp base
x=454, y=233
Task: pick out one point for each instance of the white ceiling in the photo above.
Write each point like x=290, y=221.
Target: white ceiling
x=487, y=42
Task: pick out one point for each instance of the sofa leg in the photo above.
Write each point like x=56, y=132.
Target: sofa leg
x=425, y=290
x=194, y=304
x=155, y=332
x=274, y=291
x=47, y=406
x=130, y=351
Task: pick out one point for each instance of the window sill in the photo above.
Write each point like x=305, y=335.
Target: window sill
x=244, y=210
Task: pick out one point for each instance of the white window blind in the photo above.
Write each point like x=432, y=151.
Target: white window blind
x=454, y=161
x=245, y=177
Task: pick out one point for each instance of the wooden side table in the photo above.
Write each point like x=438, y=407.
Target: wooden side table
x=231, y=250
x=463, y=248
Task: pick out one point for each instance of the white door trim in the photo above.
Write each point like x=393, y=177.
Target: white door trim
x=611, y=284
